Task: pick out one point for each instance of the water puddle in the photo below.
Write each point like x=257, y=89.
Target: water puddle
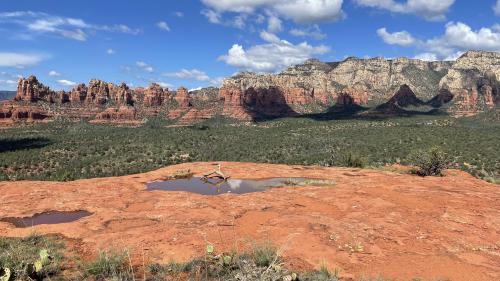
x=52, y=217
x=218, y=186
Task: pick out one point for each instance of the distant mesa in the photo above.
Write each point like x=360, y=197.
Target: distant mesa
x=467, y=86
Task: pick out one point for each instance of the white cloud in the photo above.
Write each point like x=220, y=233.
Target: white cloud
x=144, y=66
x=429, y=9
x=72, y=28
x=11, y=59
x=193, y=74
x=179, y=14
x=54, y=73
x=195, y=89
x=300, y=11
x=212, y=16
x=312, y=31
x=402, y=38
x=217, y=82
x=164, y=84
x=496, y=8
x=66, y=83
x=272, y=56
x=310, y=11
x=274, y=24
x=8, y=82
x=458, y=38
x=426, y=57
x=163, y=26
x=215, y=17
x=110, y=52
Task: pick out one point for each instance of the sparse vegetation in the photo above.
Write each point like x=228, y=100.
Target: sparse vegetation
x=261, y=262
x=31, y=258
x=182, y=174
x=65, y=150
x=430, y=162
x=109, y=265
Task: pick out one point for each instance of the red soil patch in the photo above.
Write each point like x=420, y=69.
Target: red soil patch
x=370, y=223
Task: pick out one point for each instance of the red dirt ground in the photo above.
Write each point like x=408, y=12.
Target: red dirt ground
x=398, y=226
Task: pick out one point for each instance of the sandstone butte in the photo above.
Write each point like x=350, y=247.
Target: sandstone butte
x=466, y=86
x=435, y=228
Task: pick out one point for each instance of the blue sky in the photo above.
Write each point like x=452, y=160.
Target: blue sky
x=196, y=43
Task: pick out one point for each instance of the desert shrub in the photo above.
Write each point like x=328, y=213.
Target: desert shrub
x=430, y=162
x=353, y=160
x=33, y=257
x=264, y=254
x=109, y=265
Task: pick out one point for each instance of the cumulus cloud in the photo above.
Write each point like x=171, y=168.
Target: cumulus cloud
x=8, y=82
x=273, y=56
x=11, y=59
x=193, y=74
x=164, y=84
x=179, y=14
x=426, y=57
x=77, y=29
x=110, y=52
x=458, y=38
x=312, y=31
x=274, y=24
x=163, y=26
x=145, y=67
x=215, y=17
x=496, y=8
x=54, y=73
x=402, y=38
x=66, y=83
x=300, y=11
x=429, y=9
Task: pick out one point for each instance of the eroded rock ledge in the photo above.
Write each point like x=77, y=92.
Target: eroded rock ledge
x=464, y=87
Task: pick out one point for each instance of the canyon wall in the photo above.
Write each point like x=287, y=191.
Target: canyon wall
x=473, y=81
x=466, y=86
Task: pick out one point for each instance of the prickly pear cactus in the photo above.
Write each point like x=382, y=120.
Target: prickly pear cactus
x=6, y=274
x=210, y=249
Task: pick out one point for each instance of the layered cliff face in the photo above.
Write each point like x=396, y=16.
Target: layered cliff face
x=466, y=86
x=472, y=80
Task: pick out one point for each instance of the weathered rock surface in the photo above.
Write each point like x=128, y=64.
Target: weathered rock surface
x=121, y=113
x=31, y=90
x=155, y=95
x=472, y=80
x=368, y=224
x=466, y=86
x=182, y=97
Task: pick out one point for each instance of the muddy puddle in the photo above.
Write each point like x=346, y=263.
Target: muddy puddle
x=52, y=217
x=218, y=186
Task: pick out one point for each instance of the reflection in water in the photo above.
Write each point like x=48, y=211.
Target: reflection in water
x=218, y=186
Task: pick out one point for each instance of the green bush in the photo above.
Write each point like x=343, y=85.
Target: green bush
x=110, y=265
x=430, y=162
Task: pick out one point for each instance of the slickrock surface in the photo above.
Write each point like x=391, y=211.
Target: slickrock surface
x=370, y=223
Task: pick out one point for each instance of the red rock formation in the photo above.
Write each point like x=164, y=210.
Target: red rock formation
x=405, y=97
x=78, y=94
x=121, y=94
x=444, y=97
x=97, y=92
x=182, y=97
x=344, y=100
x=117, y=114
x=28, y=112
x=31, y=90
x=154, y=95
